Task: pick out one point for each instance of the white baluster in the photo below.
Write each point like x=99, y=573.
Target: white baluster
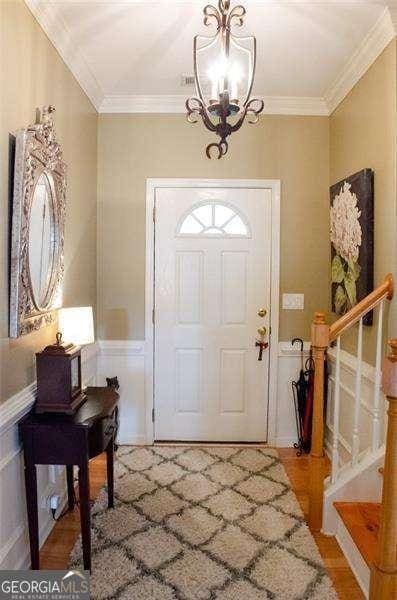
x=377, y=384
x=357, y=395
x=335, y=434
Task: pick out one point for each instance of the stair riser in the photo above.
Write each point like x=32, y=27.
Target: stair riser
x=353, y=556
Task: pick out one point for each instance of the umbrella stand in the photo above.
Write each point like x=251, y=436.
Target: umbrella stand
x=299, y=392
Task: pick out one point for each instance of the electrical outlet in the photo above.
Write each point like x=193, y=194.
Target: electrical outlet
x=293, y=301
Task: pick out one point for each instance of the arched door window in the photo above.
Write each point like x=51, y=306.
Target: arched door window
x=213, y=219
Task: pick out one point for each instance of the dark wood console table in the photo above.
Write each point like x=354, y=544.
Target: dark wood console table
x=54, y=439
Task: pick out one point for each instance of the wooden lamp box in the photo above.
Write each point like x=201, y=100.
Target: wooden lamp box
x=59, y=379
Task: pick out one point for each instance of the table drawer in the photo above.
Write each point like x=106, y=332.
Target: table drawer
x=101, y=434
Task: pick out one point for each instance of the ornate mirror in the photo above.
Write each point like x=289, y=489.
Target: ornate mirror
x=38, y=223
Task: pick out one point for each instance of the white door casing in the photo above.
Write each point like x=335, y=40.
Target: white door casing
x=209, y=287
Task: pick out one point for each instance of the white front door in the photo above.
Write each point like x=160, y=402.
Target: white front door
x=212, y=276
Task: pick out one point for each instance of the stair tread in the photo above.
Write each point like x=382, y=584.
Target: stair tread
x=362, y=522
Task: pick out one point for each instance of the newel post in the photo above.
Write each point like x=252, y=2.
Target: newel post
x=320, y=341
x=383, y=584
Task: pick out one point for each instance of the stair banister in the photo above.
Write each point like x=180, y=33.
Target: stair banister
x=383, y=584
x=322, y=336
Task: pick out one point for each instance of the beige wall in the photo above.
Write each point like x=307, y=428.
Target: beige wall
x=363, y=134
x=133, y=148
x=32, y=74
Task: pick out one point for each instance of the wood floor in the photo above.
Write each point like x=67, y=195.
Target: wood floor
x=56, y=550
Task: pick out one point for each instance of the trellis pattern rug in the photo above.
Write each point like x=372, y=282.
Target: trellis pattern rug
x=203, y=523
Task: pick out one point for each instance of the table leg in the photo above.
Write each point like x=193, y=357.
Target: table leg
x=70, y=483
x=85, y=514
x=110, y=472
x=31, y=503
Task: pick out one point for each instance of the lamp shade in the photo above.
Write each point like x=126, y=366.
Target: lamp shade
x=77, y=324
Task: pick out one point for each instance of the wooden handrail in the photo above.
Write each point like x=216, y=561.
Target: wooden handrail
x=384, y=290
x=383, y=583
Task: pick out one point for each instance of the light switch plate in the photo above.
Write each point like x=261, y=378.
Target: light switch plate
x=293, y=301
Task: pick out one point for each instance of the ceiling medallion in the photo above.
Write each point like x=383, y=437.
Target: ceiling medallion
x=224, y=69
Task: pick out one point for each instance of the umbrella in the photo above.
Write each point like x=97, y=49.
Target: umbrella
x=308, y=412
x=300, y=389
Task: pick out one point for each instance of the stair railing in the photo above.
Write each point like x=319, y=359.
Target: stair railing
x=322, y=336
x=383, y=582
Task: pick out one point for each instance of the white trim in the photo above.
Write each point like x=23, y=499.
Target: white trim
x=371, y=47
x=285, y=442
x=151, y=186
x=121, y=347
x=175, y=104
x=286, y=349
x=134, y=440
x=54, y=26
x=13, y=409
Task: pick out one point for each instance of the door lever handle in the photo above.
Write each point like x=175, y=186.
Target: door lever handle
x=261, y=344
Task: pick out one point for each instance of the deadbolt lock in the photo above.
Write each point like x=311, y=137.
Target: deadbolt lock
x=262, y=312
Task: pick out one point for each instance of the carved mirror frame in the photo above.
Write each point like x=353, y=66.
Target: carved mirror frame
x=37, y=152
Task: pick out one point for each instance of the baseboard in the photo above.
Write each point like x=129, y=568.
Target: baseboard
x=286, y=442
x=133, y=440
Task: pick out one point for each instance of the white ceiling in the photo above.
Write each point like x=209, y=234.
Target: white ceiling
x=127, y=53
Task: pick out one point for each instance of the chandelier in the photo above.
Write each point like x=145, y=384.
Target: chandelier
x=224, y=69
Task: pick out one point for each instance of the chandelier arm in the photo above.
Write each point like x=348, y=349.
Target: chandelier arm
x=255, y=111
x=237, y=14
x=200, y=110
x=210, y=13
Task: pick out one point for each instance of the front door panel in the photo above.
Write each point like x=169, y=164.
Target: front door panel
x=212, y=276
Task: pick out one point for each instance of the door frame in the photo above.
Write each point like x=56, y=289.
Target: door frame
x=151, y=186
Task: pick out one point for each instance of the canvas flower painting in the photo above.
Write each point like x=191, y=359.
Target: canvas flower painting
x=351, y=232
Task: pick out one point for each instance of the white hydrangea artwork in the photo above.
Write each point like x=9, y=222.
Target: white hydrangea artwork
x=350, y=199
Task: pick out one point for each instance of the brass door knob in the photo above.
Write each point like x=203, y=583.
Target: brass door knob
x=262, y=332
x=262, y=312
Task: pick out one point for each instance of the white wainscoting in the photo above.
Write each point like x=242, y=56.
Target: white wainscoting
x=14, y=545
x=289, y=364
x=126, y=360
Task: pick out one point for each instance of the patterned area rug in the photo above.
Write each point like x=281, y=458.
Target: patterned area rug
x=195, y=523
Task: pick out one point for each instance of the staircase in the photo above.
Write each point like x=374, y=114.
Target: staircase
x=358, y=502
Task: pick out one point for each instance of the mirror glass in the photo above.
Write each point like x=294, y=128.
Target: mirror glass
x=41, y=241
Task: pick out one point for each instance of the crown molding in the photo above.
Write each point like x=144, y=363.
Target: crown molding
x=57, y=32
x=372, y=46
x=274, y=105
